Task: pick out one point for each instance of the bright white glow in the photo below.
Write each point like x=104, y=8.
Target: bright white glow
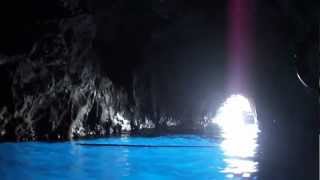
x=125, y=123
x=241, y=167
x=239, y=127
x=235, y=114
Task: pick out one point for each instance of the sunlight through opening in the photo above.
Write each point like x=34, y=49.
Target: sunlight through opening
x=239, y=129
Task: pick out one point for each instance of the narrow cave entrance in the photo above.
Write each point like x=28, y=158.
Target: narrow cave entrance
x=237, y=120
x=236, y=111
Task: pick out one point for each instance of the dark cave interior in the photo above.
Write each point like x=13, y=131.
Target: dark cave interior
x=156, y=60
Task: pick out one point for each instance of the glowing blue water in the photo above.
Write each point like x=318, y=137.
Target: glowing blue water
x=38, y=160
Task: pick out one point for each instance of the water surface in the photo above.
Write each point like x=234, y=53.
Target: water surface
x=68, y=160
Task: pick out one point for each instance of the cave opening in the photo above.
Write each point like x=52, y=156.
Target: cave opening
x=237, y=119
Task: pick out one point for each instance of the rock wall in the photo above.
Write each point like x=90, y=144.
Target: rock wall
x=55, y=90
x=55, y=86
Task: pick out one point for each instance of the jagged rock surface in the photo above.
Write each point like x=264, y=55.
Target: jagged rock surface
x=70, y=84
x=56, y=91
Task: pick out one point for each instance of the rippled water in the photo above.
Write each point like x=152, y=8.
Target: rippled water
x=38, y=160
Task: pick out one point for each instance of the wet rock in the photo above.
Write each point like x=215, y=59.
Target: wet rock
x=58, y=85
x=56, y=90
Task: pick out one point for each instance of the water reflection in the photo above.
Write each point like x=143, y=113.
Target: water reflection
x=239, y=130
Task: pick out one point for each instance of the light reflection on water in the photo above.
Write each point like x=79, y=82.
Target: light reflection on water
x=239, y=130
x=233, y=157
x=37, y=160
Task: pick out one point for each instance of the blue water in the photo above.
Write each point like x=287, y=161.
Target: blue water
x=67, y=160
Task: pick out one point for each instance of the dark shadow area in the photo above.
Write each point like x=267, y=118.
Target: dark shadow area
x=79, y=69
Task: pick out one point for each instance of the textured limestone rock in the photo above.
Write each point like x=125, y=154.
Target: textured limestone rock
x=56, y=91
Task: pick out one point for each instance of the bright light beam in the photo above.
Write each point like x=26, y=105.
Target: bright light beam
x=240, y=44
